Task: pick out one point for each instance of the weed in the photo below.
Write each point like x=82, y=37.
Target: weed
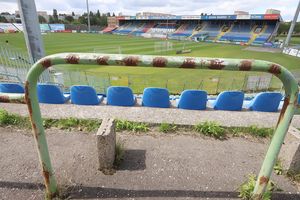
x=246, y=189
x=210, y=129
x=278, y=169
x=131, y=126
x=71, y=123
x=166, y=128
x=293, y=176
x=252, y=130
x=7, y=119
x=261, y=132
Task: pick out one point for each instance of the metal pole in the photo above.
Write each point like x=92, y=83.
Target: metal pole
x=288, y=38
x=88, y=15
x=32, y=31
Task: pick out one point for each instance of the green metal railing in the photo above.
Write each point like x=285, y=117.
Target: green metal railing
x=289, y=108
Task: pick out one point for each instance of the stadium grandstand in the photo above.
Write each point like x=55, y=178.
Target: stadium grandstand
x=240, y=28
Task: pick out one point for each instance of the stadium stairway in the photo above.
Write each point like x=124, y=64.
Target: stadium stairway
x=223, y=32
x=137, y=29
x=197, y=30
x=181, y=29
x=148, y=27
x=255, y=35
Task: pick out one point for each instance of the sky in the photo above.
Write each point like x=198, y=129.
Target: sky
x=177, y=7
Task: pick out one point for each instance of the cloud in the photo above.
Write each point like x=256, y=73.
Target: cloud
x=178, y=7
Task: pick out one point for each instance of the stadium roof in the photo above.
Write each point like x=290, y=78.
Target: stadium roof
x=205, y=17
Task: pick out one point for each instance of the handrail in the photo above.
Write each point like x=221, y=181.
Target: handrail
x=285, y=118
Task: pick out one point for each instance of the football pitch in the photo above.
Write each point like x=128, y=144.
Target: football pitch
x=140, y=77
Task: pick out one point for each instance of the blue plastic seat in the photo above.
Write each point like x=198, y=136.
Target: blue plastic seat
x=52, y=94
x=85, y=95
x=265, y=102
x=156, y=97
x=299, y=99
x=193, y=100
x=11, y=88
x=229, y=100
x=120, y=96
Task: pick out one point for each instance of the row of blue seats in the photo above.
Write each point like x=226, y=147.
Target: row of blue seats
x=235, y=38
x=153, y=97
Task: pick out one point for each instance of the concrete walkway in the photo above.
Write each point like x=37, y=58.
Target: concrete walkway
x=154, y=115
x=156, y=167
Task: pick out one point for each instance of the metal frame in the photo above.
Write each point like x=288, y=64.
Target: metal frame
x=289, y=108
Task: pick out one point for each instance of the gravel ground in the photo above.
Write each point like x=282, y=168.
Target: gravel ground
x=155, y=166
x=154, y=115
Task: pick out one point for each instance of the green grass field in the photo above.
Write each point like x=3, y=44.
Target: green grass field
x=138, y=77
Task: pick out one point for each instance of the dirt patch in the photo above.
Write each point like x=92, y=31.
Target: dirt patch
x=155, y=166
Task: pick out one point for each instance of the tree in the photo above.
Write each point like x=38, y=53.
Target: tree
x=108, y=14
x=82, y=20
x=297, y=28
x=69, y=19
x=98, y=14
x=42, y=19
x=55, y=16
x=73, y=14
x=3, y=19
x=51, y=20
x=113, y=15
x=284, y=28
x=103, y=20
x=5, y=13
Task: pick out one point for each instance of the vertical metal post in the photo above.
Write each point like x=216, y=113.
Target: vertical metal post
x=288, y=38
x=32, y=31
x=88, y=15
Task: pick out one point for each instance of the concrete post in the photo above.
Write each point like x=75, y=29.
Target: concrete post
x=106, y=145
x=290, y=151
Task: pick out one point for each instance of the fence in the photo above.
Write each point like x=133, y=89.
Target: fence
x=14, y=65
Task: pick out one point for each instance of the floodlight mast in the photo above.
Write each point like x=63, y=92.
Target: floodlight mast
x=293, y=24
x=88, y=15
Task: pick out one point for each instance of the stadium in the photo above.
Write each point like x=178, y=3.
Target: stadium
x=170, y=87
x=161, y=34
x=239, y=29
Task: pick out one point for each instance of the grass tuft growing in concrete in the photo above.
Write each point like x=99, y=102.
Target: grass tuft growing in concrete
x=251, y=130
x=7, y=119
x=73, y=123
x=122, y=125
x=212, y=129
x=246, y=189
x=167, y=128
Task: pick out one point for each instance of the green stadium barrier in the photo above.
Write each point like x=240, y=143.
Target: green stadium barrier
x=290, y=106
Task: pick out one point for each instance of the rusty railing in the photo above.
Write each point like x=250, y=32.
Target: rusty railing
x=290, y=106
